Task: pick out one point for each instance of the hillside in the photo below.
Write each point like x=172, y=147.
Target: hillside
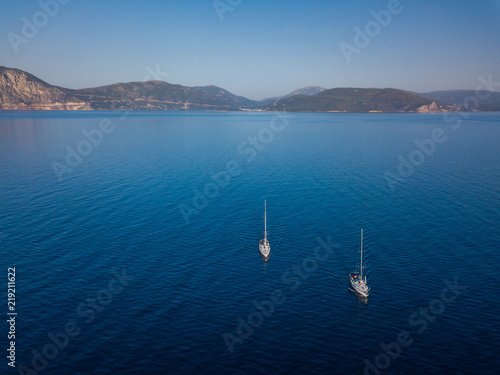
x=488, y=100
x=358, y=101
x=226, y=97
x=20, y=90
x=159, y=95
x=308, y=90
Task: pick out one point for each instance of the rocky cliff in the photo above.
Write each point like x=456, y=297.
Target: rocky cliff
x=429, y=108
x=20, y=90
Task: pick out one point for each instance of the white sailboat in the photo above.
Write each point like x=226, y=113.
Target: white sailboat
x=358, y=280
x=264, y=247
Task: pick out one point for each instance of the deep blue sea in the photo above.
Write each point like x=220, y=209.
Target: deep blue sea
x=134, y=238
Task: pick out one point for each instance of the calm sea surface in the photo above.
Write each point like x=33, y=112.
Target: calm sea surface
x=135, y=242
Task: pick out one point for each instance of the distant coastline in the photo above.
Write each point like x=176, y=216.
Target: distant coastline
x=22, y=91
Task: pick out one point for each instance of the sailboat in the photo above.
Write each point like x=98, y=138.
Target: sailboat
x=358, y=280
x=264, y=247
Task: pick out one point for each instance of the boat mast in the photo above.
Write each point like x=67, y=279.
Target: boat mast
x=361, y=276
x=265, y=221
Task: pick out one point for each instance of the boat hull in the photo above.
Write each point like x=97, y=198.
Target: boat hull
x=360, y=288
x=265, y=251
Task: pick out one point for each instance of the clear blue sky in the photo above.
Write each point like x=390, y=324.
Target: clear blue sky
x=261, y=48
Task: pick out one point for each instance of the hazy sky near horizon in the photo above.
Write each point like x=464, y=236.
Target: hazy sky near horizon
x=260, y=48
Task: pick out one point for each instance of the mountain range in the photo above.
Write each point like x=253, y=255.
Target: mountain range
x=20, y=90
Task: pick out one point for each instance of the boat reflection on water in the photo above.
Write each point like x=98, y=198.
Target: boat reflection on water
x=264, y=258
